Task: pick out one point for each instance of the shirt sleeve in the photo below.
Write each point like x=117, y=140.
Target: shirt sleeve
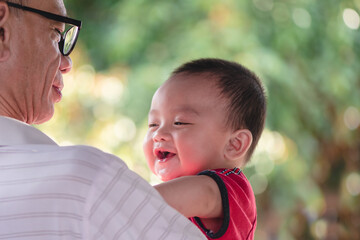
x=238, y=204
x=122, y=205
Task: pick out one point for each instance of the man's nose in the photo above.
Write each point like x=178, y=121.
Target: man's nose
x=161, y=134
x=65, y=64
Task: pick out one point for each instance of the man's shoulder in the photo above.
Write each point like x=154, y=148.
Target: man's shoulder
x=52, y=154
x=83, y=151
x=91, y=155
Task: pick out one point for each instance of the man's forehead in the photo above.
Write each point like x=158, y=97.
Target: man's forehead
x=59, y=4
x=53, y=6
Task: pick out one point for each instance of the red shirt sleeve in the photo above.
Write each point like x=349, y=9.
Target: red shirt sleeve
x=238, y=202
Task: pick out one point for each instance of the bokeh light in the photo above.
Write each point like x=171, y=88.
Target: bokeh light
x=264, y=5
x=259, y=183
x=301, y=17
x=351, y=18
x=352, y=118
x=273, y=145
x=319, y=229
x=111, y=89
x=353, y=184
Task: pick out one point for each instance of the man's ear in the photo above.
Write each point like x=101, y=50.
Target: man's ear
x=4, y=32
x=238, y=144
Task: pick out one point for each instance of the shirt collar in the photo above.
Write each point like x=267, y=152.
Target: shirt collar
x=14, y=132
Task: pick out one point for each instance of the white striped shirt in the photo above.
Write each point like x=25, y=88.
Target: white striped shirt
x=78, y=192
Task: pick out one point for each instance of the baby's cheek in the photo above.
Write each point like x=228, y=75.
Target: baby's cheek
x=149, y=157
x=147, y=148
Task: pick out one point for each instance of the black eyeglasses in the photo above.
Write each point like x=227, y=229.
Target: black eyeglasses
x=68, y=38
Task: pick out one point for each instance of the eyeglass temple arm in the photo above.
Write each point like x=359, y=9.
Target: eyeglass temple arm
x=48, y=15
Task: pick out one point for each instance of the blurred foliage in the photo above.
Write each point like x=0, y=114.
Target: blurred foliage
x=306, y=170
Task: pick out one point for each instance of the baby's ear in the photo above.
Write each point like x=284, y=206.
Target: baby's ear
x=238, y=145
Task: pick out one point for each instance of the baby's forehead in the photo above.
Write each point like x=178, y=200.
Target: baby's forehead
x=188, y=98
x=191, y=86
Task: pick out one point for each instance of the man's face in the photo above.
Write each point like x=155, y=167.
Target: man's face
x=37, y=63
x=187, y=128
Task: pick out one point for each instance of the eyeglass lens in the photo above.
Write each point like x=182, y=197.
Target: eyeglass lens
x=70, y=39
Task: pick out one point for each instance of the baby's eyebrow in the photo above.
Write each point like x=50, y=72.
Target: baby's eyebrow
x=153, y=113
x=187, y=110
x=181, y=109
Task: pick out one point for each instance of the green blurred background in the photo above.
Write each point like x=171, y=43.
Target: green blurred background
x=306, y=170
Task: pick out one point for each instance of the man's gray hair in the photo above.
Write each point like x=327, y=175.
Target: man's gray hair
x=15, y=10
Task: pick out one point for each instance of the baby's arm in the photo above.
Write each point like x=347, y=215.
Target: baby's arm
x=193, y=196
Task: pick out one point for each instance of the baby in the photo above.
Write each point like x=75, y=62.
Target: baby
x=204, y=124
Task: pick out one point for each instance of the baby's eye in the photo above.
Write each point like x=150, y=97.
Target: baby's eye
x=181, y=123
x=151, y=125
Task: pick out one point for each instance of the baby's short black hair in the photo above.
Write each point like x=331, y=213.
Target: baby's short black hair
x=241, y=87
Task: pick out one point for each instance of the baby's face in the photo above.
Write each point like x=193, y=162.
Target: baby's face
x=187, y=127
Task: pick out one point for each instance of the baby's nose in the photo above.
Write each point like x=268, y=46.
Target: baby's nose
x=161, y=135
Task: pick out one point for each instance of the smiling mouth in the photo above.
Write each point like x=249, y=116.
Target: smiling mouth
x=164, y=155
x=58, y=92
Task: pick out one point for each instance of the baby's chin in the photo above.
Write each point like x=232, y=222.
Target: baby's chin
x=167, y=170
x=164, y=175
x=165, y=178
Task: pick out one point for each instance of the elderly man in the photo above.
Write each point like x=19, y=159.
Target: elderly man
x=53, y=192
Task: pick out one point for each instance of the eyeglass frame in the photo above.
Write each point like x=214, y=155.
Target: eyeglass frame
x=55, y=17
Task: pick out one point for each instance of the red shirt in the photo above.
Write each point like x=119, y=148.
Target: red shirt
x=238, y=205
